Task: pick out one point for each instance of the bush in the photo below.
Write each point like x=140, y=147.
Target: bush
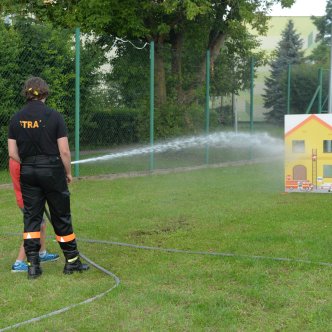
x=4, y=122
x=117, y=126
x=175, y=120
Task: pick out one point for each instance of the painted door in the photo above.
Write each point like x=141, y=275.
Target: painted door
x=299, y=172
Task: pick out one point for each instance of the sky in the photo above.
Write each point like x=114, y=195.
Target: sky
x=302, y=8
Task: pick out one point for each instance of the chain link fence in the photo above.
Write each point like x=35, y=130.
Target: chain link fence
x=33, y=50
x=193, y=96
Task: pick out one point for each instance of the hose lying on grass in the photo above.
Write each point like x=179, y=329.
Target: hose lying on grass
x=117, y=280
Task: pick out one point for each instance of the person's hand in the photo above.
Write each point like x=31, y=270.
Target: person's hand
x=69, y=178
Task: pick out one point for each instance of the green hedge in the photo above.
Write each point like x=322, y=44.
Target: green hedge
x=118, y=126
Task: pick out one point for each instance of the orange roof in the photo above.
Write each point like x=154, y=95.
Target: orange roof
x=308, y=119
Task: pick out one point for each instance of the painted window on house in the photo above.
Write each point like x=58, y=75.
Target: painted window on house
x=327, y=146
x=298, y=146
x=327, y=171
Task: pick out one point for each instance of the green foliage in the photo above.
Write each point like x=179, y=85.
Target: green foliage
x=174, y=120
x=132, y=125
x=321, y=54
x=223, y=116
x=127, y=83
x=182, y=31
x=304, y=80
x=48, y=53
x=31, y=49
x=10, y=49
x=118, y=126
x=168, y=23
x=303, y=86
x=288, y=52
x=323, y=24
x=3, y=143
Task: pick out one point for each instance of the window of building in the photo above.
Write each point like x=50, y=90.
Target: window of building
x=298, y=146
x=327, y=146
x=327, y=171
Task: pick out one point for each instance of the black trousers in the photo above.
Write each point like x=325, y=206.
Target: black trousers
x=43, y=179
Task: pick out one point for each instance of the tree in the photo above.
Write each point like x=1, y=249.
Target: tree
x=31, y=49
x=304, y=85
x=321, y=54
x=288, y=52
x=305, y=79
x=9, y=49
x=167, y=23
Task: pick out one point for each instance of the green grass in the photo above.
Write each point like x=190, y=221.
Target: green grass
x=240, y=210
x=4, y=176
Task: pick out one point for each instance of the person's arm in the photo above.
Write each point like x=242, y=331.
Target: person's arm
x=65, y=156
x=13, y=150
x=14, y=171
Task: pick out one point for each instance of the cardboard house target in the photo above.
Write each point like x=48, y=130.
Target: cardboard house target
x=308, y=152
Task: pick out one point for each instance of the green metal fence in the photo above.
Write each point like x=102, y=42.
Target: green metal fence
x=118, y=95
x=33, y=50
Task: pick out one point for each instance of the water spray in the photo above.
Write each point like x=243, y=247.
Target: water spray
x=259, y=142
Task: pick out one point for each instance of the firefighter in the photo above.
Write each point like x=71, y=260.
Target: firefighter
x=37, y=138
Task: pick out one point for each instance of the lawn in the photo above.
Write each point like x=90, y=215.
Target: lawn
x=238, y=210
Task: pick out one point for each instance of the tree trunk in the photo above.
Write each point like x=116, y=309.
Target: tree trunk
x=160, y=79
x=214, y=46
x=177, y=44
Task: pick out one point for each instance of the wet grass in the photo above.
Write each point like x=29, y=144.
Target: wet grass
x=240, y=210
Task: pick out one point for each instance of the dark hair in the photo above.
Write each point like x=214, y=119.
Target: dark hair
x=35, y=88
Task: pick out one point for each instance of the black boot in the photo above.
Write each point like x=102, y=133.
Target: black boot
x=34, y=270
x=73, y=265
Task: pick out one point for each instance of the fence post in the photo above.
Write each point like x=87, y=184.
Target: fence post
x=207, y=104
x=252, y=63
x=289, y=87
x=320, y=93
x=151, y=104
x=329, y=110
x=77, y=99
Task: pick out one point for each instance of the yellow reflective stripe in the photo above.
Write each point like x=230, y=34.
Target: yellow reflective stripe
x=72, y=260
x=31, y=235
x=65, y=238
